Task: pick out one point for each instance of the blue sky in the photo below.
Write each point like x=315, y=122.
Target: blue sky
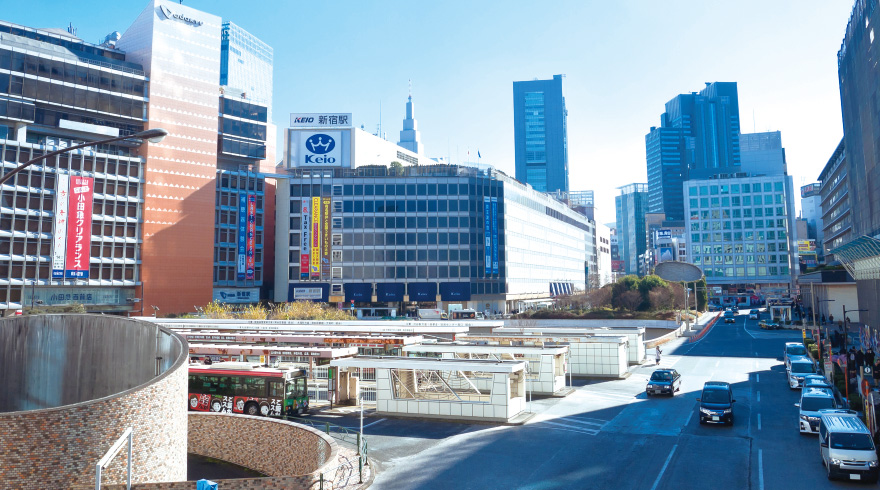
x=623, y=60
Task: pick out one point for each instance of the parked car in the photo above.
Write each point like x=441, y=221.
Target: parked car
x=663, y=381
x=846, y=447
x=797, y=369
x=793, y=350
x=813, y=400
x=716, y=403
x=753, y=315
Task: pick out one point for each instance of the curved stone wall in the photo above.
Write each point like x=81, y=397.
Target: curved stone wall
x=271, y=446
x=71, y=384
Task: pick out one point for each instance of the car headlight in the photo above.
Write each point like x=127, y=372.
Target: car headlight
x=804, y=418
x=728, y=410
x=650, y=386
x=872, y=464
x=835, y=461
x=705, y=411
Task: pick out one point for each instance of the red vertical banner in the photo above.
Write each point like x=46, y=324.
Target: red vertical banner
x=79, y=227
x=251, y=235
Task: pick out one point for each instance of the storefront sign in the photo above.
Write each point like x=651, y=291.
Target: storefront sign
x=251, y=235
x=59, y=239
x=487, y=232
x=305, y=239
x=236, y=295
x=242, y=237
x=315, y=252
x=311, y=120
x=79, y=230
x=494, y=235
x=76, y=295
x=325, y=238
x=307, y=293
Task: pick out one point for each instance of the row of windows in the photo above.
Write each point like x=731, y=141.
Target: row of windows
x=16, y=109
x=244, y=110
x=243, y=129
x=738, y=225
x=230, y=254
x=48, y=117
x=99, y=227
x=74, y=163
x=737, y=213
x=247, y=182
x=383, y=239
x=230, y=235
x=42, y=90
x=399, y=272
x=232, y=198
x=752, y=271
x=714, y=202
x=745, y=188
x=737, y=248
x=403, y=206
x=69, y=72
x=229, y=273
x=742, y=259
x=738, y=236
x=423, y=190
x=246, y=149
x=389, y=222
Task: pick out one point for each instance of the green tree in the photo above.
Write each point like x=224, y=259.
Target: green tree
x=624, y=285
x=648, y=284
x=396, y=168
x=702, y=294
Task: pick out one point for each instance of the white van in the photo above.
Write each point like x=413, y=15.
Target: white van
x=846, y=447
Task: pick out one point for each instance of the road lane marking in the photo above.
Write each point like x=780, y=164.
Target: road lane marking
x=760, y=469
x=759, y=396
x=663, y=470
x=612, y=395
x=374, y=423
x=757, y=376
x=568, y=428
x=759, y=421
x=688, y=422
x=717, y=362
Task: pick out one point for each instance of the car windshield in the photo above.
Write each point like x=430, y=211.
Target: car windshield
x=814, y=404
x=661, y=377
x=715, y=396
x=796, y=350
x=802, y=367
x=856, y=442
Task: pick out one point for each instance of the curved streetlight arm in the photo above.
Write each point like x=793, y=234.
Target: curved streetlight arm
x=154, y=135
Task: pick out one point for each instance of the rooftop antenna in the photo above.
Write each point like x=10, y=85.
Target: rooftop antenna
x=410, y=88
x=71, y=29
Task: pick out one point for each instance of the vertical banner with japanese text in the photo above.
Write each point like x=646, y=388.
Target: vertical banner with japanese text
x=494, y=235
x=251, y=235
x=325, y=238
x=487, y=232
x=315, y=269
x=59, y=239
x=79, y=228
x=242, y=237
x=305, y=240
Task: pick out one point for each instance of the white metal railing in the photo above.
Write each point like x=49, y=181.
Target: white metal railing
x=368, y=394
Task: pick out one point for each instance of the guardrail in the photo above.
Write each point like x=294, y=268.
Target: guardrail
x=340, y=476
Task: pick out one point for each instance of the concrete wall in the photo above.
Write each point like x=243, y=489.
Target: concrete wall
x=500, y=408
x=59, y=361
x=603, y=357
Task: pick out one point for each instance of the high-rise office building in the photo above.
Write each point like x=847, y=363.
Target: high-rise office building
x=410, y=138
x=762, y=154
x=835, y=202
x=698, y=137
x=632, y=240
x=246, y=65
x=811, y=212
x=541, y=134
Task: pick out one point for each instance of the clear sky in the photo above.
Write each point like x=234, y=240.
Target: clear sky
x=623, y=60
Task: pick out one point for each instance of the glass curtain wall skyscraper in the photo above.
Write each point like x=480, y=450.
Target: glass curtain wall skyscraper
x=541, y=134
x=631, y=206
x=698, y=137
x=246, y=64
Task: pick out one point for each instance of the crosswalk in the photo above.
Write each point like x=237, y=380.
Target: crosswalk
x=575, y=423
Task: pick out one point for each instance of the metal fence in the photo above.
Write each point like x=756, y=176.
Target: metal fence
x=349, y=471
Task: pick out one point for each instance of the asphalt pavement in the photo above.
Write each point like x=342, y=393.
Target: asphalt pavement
x=608, y=434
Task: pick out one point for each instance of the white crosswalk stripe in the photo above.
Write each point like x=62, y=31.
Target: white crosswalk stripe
x=580, y=425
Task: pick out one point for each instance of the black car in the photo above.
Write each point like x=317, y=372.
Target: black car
x=716, y=403
x=663, y=381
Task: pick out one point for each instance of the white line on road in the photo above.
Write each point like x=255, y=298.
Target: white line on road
x=688, y=422
x=760, y=469
x=757, y=377
x=759, y=421
x=663, y=470
x=374, y=423
x=759, y=396
x=611, y=394
x=717, y=362
x=569, y=428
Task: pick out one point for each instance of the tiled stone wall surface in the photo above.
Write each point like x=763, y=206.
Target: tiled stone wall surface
x=272, y=447
x=58, y=447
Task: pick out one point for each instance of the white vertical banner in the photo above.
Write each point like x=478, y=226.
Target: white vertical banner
x=59, y=239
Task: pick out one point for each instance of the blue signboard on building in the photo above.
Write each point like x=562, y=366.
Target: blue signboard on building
x=358, y=292
x=390, y=291
x=242, y=237
x=422, y=291
x=455, y=291
x=487, y=230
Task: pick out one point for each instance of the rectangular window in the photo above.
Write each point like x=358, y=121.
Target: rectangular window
x=336, y=273
x=336, y=239
x=336, y=255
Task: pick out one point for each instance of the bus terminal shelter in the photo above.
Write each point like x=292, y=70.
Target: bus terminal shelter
x=443, y=388
x=601, y=356
x=546, y=368
x=635, y=336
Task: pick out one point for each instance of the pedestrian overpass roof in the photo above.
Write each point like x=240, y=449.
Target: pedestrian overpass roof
x=484, y=349
x=431, y=364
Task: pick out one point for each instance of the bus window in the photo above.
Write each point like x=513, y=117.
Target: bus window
x=276, y=389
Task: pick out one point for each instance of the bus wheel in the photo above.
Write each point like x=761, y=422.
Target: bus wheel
x=252, y=409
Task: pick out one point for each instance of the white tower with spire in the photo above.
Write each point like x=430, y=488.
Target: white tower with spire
x=409, y=136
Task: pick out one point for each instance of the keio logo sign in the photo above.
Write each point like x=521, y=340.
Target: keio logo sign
x=320, y=144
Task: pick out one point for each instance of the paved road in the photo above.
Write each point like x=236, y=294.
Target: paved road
x=609, y=435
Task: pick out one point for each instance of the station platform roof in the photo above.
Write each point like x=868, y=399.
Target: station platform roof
x=358, y=340
x=324, y=326
x=267, y=350
x=430, y=363
x=547, y=337
x=442, y=347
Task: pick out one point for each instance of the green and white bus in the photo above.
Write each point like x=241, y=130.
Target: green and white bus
x=241, y=387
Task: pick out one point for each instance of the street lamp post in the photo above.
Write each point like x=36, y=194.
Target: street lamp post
x=154, y=135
